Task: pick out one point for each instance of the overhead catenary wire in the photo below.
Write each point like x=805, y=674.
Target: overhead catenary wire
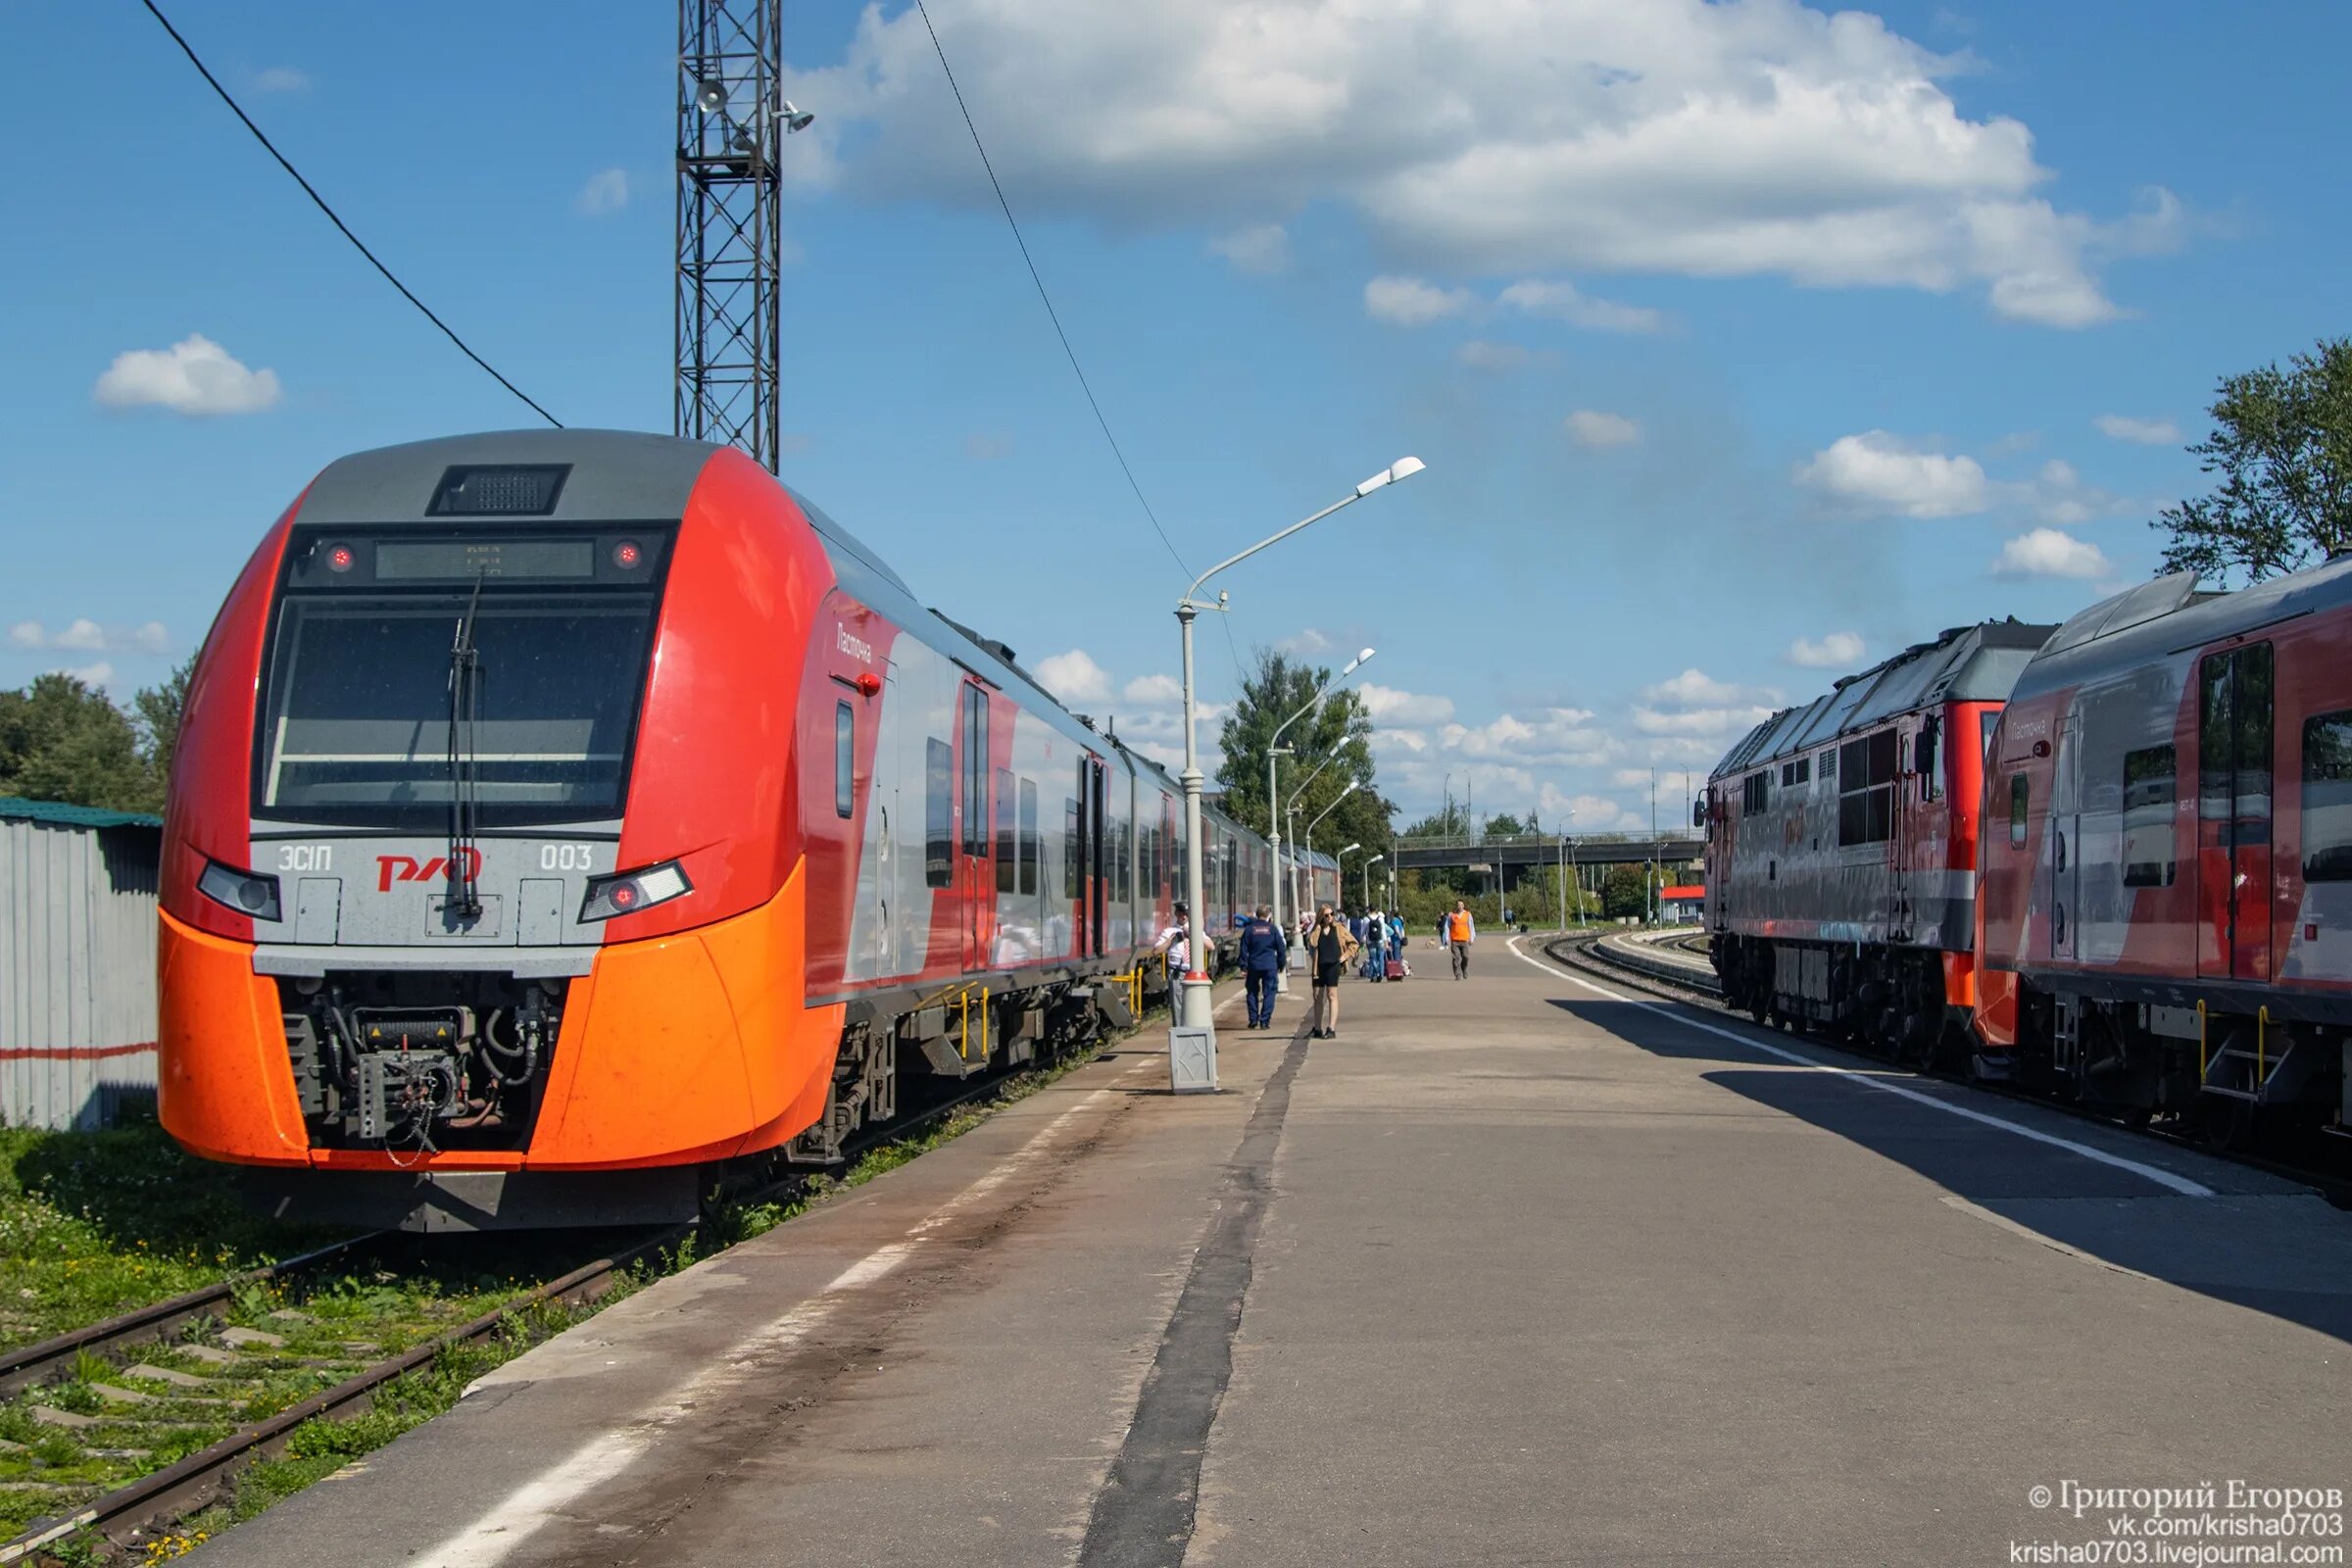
x=331, y=216
x=1051, y=314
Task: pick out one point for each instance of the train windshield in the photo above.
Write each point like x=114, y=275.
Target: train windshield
x=357, y=716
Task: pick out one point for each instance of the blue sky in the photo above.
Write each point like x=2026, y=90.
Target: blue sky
x=1733, y=336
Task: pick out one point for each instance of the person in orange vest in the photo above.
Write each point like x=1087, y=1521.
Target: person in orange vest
x=1460, y=931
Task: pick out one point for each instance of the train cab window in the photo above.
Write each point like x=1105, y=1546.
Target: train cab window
x=1866, y=789
x=939, y=813
x=1755, y=792
x=2017, y=808
x=1028, y=828
x=2327, y=798
x=845, y=758
x=2148, y=834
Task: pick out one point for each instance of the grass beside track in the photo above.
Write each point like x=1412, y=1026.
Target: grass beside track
x=331, y=1329
x=94, y=1224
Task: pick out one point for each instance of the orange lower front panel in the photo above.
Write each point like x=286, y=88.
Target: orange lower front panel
x=674, y=1050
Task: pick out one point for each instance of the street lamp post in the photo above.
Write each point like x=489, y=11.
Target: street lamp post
x=1195, y=980
x=1274, y=749
x=1368, y=866
x=1309, y=840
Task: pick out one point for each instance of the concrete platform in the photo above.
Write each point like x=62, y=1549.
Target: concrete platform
x=1519, y=1269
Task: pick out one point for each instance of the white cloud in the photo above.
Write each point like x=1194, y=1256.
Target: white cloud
x=2050, y=553
x=1480, y=355
x=1074, y=677
x=1691, y=687
x=1590, y=428
x=1711, y=140
x=195, y=375
x=1259, y=248
x=1389, y=706
x=1882, y=472
x=2143, y=433
x=607, y=192
x=86, y=636
x=1410, y=302
x=1586, y=813
x=1565, y=302
x=1307, y=643
x=98, y=674
x=1155, y=690
x=281, y=78
x=1838, y=650
x=987, y=447
x=1700, y=722
x=2058, y=495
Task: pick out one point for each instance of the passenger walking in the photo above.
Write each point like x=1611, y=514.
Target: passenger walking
x=1376, y=945
x=1175, y=946
x=1264, y=952
x=1328, y=950
x=1460, y=931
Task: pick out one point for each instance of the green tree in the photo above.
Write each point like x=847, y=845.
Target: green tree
x=1337, y=733
x=2281, y=450
x=1505, y=823
x=157, y=710
x=62, y=740
x=1624, y=892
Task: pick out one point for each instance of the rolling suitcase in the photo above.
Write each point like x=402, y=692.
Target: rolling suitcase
x=1395, y=969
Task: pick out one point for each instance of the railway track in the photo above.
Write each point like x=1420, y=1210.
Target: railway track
x=188, y=1485
x=1690, y=984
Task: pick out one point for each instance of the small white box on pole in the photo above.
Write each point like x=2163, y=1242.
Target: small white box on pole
x=1192, y=1060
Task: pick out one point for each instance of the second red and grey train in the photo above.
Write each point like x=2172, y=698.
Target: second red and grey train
x=561, y=816
x=2114, y=857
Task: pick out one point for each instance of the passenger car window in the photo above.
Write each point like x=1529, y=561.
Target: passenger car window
x=2017, y=808
x=2327, y=798
x=845, y=758
x=939, y=813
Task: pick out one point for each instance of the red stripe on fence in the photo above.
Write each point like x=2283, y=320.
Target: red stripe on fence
x=74, y=1052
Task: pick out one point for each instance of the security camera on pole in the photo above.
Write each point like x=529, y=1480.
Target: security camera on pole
x=1197, y=1004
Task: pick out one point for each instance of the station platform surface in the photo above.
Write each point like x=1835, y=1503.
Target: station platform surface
x=1518, y=1269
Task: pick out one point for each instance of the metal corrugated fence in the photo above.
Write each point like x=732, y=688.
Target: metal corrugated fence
x=78, y=1020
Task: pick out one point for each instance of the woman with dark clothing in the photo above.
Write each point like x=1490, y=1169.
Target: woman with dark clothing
x=1328, y=944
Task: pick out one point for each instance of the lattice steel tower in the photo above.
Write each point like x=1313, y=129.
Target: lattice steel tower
x=730, y=240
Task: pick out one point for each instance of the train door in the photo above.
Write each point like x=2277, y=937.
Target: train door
x=975, y=877
x=882, y=809
x=2236, y=690
x=1095, y=858
x=2062, y=848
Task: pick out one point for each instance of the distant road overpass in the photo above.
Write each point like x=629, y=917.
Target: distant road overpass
x=1546, y=849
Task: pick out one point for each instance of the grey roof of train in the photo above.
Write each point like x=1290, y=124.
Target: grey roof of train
x=632, y=477
x=2170, y=614
x=1965, y=664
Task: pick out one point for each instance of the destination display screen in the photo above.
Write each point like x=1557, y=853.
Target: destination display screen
x=464, y=560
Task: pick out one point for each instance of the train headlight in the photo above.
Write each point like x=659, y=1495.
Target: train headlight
x=241, y=891
x=632, y=891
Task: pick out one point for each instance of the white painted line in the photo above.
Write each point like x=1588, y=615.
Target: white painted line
x=489, y=1538
x=2155, y=1173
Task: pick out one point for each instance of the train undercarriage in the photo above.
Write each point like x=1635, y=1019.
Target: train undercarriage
x=1888, y=997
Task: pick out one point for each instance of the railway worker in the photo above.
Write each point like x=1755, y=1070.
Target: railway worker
x=1460, y=930
x=1328, y=950
x=1264, y=952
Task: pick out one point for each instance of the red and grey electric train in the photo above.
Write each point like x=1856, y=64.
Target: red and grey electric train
x=559, y=816
x=2156, y=868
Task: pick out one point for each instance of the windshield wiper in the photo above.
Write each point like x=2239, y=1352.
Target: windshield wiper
x=464, y=708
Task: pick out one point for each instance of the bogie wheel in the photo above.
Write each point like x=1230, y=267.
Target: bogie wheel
x=2226, y=1123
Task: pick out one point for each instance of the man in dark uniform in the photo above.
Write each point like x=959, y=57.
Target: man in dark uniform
x=1264, y=952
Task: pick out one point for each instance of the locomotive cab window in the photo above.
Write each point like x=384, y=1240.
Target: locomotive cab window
x=2327, y=798
x=2017, y=808
x=845, y=758
x=1755, y=793
x=2148, y=832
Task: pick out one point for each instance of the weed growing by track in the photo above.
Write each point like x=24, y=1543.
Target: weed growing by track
x=93, y=1224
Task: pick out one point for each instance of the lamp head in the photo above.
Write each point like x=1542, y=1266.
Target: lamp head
x=1402, y=468
x=794, y=120
x=711, y=96
x=1355, y=663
